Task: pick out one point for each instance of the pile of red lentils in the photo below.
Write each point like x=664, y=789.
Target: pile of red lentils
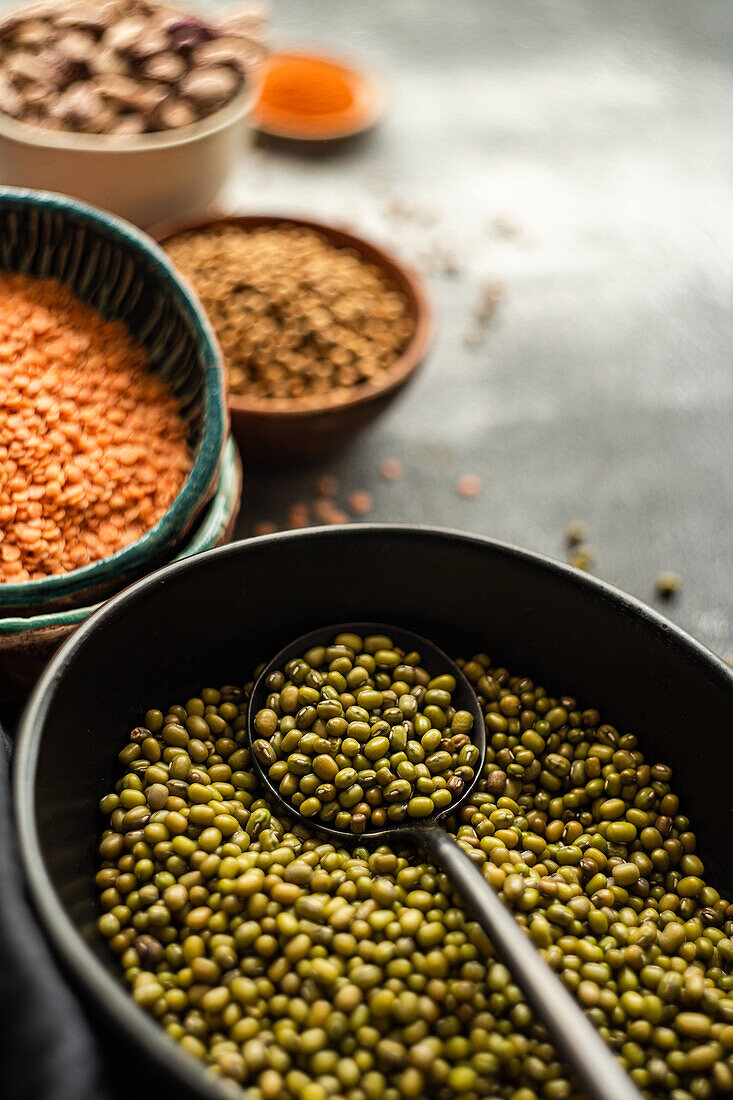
x=92, y=444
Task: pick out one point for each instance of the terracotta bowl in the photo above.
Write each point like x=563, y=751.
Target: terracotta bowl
x=281, y=432
x=26, y=644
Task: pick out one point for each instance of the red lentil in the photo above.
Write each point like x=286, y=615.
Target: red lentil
x=336, y=517
x=391, y=469
x=322, y=509
x=361, y=502
x=327, y=511
x=327, y=485
x=298, y=515
x=92, y=444
x=468, y=485
x=265, y=527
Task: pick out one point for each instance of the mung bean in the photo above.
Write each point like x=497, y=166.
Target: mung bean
x=302, y=969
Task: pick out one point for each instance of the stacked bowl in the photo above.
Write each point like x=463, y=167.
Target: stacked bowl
x=118, y=271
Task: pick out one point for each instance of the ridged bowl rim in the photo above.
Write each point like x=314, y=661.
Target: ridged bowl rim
x=215, y=520
x=203, y=473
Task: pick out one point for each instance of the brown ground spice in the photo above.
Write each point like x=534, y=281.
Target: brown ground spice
x=92, y=443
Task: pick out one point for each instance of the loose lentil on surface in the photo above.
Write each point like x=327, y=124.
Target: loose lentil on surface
x=358, y=734
x=575, y=533
x=391, y=469
x=332, y=515
x=324, y=509
x=92, y=444
x=298, y=515
x=667, y=584
x=468, y=486
x=305, y=970
x=265, y=527
x=361, y=502
x=297, y=317
x=326, y=485
x=492, y=293
x=505, y=226
x=582, y=557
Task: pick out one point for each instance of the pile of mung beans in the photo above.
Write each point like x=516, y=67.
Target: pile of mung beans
x=305, y=970
x=358, y=734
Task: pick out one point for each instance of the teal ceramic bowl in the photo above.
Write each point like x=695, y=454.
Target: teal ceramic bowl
x=123, y=274
x=26, y=643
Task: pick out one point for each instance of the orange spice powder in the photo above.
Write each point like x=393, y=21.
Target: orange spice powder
x=314, y=96
x=92, y=444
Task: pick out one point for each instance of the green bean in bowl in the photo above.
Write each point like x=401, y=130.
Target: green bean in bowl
x=358, y=734
x=305, y=970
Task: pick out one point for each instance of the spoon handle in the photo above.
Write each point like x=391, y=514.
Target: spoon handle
x=574, y=1036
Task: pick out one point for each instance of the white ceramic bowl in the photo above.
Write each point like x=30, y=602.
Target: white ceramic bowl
x=146, y=178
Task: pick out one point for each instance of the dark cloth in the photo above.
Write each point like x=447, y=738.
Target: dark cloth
x=48, y=1050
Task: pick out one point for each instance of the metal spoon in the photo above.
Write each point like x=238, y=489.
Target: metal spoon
x=573, y=1035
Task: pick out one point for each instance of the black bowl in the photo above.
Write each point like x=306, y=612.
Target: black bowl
x=211, y=618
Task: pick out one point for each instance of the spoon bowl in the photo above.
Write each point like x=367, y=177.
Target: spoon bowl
x=434, y=659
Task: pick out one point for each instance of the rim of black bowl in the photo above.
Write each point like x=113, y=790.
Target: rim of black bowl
x=207, y=457
x=467, y=699
x=78, y=958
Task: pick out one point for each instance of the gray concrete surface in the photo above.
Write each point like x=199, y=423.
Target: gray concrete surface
x=603, y=389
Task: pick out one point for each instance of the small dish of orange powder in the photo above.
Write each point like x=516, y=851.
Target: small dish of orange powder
x=315, y=98
x=93, y=446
